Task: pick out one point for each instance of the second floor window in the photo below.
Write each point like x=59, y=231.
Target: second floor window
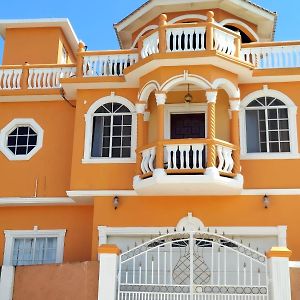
x=112, y=129
x=267, y=126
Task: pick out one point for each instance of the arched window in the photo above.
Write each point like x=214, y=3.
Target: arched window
x=268, y=125
x=110, y=130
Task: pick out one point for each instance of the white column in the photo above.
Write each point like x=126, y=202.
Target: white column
x=279, y=273
x=108, y=260
x=7, y=282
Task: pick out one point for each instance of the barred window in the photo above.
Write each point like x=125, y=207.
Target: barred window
x=112, y=131
x=267, y=126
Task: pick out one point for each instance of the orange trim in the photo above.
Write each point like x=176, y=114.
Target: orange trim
x=279, y=252
x=271, y=44
x=109, y=249
x=109, y=52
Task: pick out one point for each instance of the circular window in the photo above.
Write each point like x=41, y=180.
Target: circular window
x=21, y=139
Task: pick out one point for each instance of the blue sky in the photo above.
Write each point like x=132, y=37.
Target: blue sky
x=93, y=19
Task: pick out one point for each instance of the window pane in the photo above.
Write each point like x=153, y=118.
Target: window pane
x=273, y=136
x=252, y=131
x=21, y=151
x=127, y=120
x=278, y=103
x=32, y=140
x=108, y=106
x=285, y=147
x=126, y=141
x=106, y=142
x=273, y=125
x=23, y=130
x=254, y=104
x=116, y=141
x=105, y=152
x=283, y=113
x=117, y=120
x=117, y=130
x=284, y=124
x=274, y=147
x=116, y=152
x=22, y=140
x=127, y=130
x=126, y=152
x=97, y=136
x=11, y=141
x=263, y=137
x=106, y=131
x=262, y=115
x=107, y=121
x=272, y=113
x=284, y=136
x=263, y=147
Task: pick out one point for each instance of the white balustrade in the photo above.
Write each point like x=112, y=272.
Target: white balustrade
x=224, y=42
x=225, y=159
x=148, y=157
x=187, y=157
x=150, y=45
x=10, y=79
x=107, y=65
x=48, y=78
x=272, y=57
x=185, y=39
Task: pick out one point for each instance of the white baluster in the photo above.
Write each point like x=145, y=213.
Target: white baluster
x=151, y=160
x=220, y=157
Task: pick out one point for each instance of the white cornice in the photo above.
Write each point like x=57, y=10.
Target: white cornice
x=18, y=201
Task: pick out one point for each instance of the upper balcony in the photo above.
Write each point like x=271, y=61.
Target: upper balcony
x=200, y=40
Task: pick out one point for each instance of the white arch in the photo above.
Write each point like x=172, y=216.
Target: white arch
x=110, y=98
x=188, y=16
x=147, y=89
x=235, y=21
x=148, y=28
x=228, y=86
x=268, y=93
x=186, y=78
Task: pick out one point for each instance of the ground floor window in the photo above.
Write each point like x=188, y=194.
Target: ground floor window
x=33, y=247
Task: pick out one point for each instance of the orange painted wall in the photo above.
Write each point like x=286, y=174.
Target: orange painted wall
x=295, y=279
x=77, y=281
x=39, y=46
x=77, y=220
x=51, y=165
x=213, y=211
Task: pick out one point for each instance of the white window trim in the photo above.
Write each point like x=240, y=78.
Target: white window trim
x=9, y=127
x=183, y=108
x=292, y=112
x=11, y=235
x=87, y=159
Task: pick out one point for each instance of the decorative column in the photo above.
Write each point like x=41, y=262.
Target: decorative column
x=162, y=33
x=160, y=100
x=7, y=282
x=211, y=97
x=279, y=273
x=146, y=126
x=79, y=65
x=108, y=259
x=235, y=133
x=140, y=109
x=210, y=30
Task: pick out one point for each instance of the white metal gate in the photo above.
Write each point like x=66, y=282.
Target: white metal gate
x=192, y=266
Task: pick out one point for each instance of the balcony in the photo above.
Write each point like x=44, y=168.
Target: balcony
x=185, y=169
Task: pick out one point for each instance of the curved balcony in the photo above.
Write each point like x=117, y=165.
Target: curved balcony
x=186, y=169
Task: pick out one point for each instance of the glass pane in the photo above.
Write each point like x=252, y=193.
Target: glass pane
x=32, y=140
x=273, y=125
x=23, y=130
x=285, y=147
x=106, y=141
x=11, y=141
x=277, y=103
x=30, y=148
x=262, y=101
x=272, y=113
x=284, y=124
x=116, y=152
x=108, y=106
x=117, y=120
x=263, y=147
x=284, y=136
x=274, y=147
x=127, y=130
x=31, y=131
x=116, y=142
x=262, y=115
x=270, y=100
x=106, y=131
x=127, y=120
x=283, y=113
x=263, y=136
x=273, y=136
x=107, y=121
x=12, y=149
x=126, y=141
x=101, y=110
x=123, y=109
x=116, y=106
x=105, y=152
x=252, y=131
x=14, y=132
x=262, y=125
x=21, y=151
x=22, y=140
x=97, y=136
x=126, y=152
x=117, y=130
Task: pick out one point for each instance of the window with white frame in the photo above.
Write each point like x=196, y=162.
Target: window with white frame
x=21, y=139
x=110, y=130
x=33, y=247
x=268, y=125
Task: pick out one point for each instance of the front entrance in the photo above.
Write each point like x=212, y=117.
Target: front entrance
x=185, y=126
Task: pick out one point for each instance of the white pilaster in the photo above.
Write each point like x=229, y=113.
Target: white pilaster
x=140, y=108
x=7, y=282
x=211, y=96
x=279, y=273
x=161, y=98
x=107, y=288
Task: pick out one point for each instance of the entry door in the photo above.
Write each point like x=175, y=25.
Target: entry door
x=185, y=126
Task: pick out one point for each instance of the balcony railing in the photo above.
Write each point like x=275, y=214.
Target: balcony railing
x=188, y=156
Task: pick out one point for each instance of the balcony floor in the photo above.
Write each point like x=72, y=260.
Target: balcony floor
x=210, y=183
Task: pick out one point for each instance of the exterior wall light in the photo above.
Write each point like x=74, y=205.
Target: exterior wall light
x=116, y=202
x=188, y=97
x=266, y=201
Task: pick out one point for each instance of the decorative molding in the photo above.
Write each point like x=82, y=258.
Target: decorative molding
x=161, y=98
x=147, y=116
x=234, y=105
x=10, y=127
x=188, y=16
x=211, y=96
x=190, y=223
x=140, y=108
x=38, y=201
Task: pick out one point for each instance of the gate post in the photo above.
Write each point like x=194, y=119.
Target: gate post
x=279, y=273
x=108, y=260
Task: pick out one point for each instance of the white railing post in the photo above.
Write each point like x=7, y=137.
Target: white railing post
x=279, y=273
x=108, y=260
x=7, y=282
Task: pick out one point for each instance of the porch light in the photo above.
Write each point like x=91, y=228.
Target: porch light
x=266, y=201
x=188, y=97
x=116, y=202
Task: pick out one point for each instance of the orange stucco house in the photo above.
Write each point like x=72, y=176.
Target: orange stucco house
x=170, y=163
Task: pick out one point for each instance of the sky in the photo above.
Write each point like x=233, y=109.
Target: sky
x=93, y=19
